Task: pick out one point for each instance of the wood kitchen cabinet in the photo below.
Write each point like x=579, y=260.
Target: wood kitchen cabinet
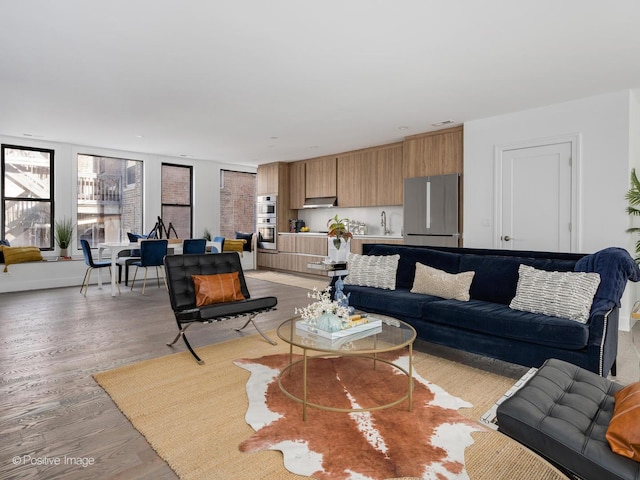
x=312, y=244
x=355, y=188
x=320, y=177
x=295, y=251
x=297, y=184
x=389, y=179
x=273, y=179
x=433, y=153
x=286, y=243
x=267, y=181
x=371, y=177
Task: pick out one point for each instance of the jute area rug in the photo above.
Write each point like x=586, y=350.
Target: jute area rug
x=194, y=416
x=292, y=280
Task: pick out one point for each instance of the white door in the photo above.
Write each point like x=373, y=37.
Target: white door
x=536, y=191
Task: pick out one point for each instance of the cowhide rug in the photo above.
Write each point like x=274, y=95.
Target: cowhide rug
x=427, y=443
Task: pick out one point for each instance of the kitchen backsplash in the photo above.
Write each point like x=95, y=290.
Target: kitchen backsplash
x=316, y=219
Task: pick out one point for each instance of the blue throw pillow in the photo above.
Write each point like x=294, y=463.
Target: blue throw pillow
x=245, y=236
x=6, y=244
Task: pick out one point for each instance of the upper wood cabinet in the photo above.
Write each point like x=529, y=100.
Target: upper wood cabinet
x=371, y=177
x=297, y=181
x=320, y=177
x=389, y=179
x=434, y=153
x=268, y=176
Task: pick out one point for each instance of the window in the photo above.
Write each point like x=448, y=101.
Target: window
x=237, y=202
x=110, y=198
x=27, y=196
x=176, y=200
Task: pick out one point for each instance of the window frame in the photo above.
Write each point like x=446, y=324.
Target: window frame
x=50, y=200
x=125, y=187
x=190, y=204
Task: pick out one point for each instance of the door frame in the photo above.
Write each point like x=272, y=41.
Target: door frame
x=575, y=140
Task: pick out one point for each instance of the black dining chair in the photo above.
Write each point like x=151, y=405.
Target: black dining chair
x=152, y=253
x=192, y=246
x=91, y=265
x=125, y=259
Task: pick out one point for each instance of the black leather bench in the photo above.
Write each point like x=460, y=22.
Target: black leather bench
x=179, y=270
x=562, y=414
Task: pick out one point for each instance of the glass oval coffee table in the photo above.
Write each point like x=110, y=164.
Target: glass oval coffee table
x=390, y=335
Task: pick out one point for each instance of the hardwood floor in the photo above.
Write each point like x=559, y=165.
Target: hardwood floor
x=51, y=410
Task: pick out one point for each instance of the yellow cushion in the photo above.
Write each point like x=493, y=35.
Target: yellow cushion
x=20, y=255
x=223, y=287
x=234, y=245
x=623, y=433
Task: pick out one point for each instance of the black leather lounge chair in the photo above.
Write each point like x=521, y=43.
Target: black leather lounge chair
x=182, y=293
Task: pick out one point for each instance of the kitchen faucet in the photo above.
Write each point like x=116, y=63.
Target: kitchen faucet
x=383, y=223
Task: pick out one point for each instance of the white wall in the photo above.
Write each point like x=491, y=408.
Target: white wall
x=604, y=124
x=206, y=190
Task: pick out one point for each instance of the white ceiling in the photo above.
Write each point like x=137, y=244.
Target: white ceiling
x=257, y=81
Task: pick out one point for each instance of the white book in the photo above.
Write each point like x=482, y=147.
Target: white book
x=363, y=327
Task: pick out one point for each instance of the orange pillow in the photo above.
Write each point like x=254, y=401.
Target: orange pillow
x=223, y=287
x=623, y=433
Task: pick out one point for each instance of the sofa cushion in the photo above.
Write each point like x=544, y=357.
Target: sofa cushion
x=400, y=302
x=497, y=276
x=431, y=281
x=563, y=294
x=409, y=256
x=501, y=321
x=377, y=271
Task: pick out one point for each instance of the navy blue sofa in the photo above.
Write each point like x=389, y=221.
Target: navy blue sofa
x=485, y=324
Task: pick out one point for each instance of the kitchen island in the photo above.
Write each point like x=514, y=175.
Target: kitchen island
x=295, y=250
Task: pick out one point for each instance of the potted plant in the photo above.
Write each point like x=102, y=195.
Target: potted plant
x=338, y=230
x=339, y=235
x=63, y=234
x=633, y=197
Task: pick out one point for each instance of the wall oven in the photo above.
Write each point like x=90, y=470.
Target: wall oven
x=266, y=205
x=266, y=216
x=267, y=233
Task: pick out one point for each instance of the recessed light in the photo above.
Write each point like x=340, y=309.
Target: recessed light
x=444, y=122
x=403, y=128
x=273, y=138
x=139, y=136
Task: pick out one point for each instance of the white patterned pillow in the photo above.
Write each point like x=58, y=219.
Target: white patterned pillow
x=431, y=281
x=560, y=294
x=372, y=271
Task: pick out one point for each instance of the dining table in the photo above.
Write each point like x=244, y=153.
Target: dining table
x=114, y=248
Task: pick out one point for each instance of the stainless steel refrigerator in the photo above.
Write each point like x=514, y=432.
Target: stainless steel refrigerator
x=431, y=210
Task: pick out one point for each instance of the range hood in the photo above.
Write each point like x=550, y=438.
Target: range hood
x=320, y=202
